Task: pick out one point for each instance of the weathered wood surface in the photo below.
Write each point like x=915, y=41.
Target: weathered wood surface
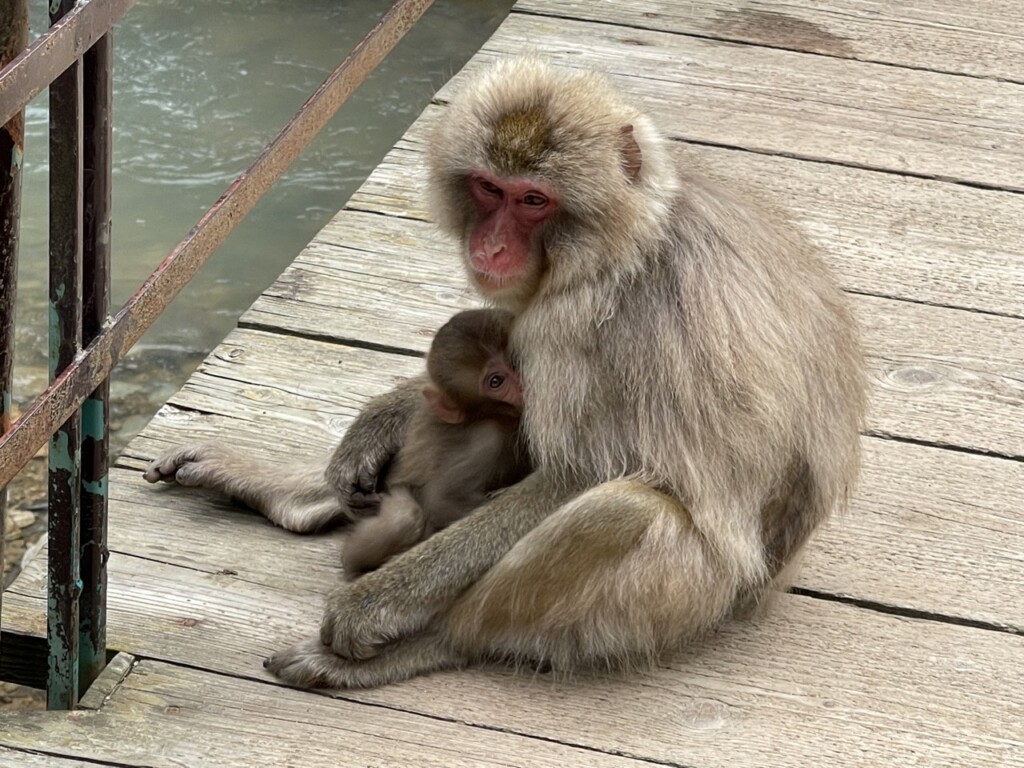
x=754, y=694
x=983, y=38
x=202, y=590
x=883, y=234
x=797, y=104
x=16, y=758
x=930, y=530
x=960, y=512
x=939, y=375
x=168, y=717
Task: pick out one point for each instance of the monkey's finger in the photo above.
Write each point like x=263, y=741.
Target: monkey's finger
x=161, y=470
x=366, y=478
x=192, y=474
x=166, y=467
x=153, y=474
x=363, y=503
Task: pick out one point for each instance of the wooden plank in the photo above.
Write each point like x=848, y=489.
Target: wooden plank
x=983, y=39
x=900, y=691
x=202, y=532
x=16, y=758
x=939, y=375
x=943, y=375
x=770, y=100
x=108, y=681
x=217, y=621
x=932, y=530
x=929, y=530
x=167, y=716
x=884, y=234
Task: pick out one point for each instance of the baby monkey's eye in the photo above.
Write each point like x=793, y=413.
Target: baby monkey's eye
x=495, y=380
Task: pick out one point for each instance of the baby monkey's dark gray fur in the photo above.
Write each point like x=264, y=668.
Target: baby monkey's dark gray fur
x=462, y=445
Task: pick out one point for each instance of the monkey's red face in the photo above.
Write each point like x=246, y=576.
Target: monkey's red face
x=505, y=244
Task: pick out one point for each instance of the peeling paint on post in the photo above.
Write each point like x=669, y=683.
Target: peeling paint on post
x=63, y=575
x=96, y=168
x=13, y=39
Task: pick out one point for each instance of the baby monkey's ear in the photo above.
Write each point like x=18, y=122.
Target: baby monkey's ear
x=446, y=410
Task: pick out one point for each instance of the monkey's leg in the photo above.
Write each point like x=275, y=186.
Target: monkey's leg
x=295, y=497
x=375, y=540
x=613, y=578
x=311, y=664
x=404, y=596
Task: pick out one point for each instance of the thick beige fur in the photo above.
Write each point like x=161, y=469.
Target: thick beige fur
x=694, y=388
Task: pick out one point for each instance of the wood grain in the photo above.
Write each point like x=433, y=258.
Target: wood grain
x=883, y=234
x=939, y=375
x=784, y=102
x=202, y=590
x=900, y=691
x=982, y=39
x=16, y=758
x=171, y=717
x=929, y=530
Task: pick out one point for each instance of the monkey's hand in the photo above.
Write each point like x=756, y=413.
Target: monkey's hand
x=404, y=597
x=371, y=441
x=354, y=627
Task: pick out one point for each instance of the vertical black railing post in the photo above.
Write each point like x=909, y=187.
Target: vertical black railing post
x=13, y=39
x=96, y=164
x=63, y=575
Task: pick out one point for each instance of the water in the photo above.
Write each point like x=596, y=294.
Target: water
x=199, y=88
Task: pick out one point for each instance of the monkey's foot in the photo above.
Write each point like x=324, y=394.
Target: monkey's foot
x=195, y=464
x=311, y=664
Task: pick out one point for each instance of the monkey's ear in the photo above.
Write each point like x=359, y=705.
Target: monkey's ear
x=632, y=157
x=446, y=410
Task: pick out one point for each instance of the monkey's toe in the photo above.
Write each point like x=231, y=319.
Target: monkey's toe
x=311, y=664
x=172, y=466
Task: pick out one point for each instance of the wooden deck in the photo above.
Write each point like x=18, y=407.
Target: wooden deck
x=894, y=133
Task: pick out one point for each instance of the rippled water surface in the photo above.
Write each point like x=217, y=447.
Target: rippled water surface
x=200, y=87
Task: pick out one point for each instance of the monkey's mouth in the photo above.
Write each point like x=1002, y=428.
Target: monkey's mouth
x=489, y=283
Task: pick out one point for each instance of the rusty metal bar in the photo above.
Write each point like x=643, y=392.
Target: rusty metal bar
x=63, y=579
x=53, y=51
x=13, y=39
x=96, y=168
x=63, y=397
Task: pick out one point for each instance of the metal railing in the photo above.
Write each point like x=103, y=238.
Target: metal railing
x=74, y=58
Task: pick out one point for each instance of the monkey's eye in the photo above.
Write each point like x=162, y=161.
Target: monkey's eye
x=534, y=200
x=495, y=381
x=489, y=188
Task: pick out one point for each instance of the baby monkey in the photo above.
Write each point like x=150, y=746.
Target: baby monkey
x=462, y=445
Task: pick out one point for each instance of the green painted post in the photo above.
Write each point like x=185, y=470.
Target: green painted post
x=96, y=165
x=63, y=578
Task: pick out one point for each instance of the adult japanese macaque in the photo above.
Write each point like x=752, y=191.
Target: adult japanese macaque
x=462, y=444
x=694, y=392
